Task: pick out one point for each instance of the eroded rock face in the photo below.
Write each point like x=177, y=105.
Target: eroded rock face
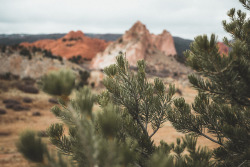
x=223, y=49
x=138, y=44
x=72, y=44
x=33, y=68
x=164, y=42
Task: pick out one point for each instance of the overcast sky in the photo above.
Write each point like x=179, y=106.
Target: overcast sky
x=183, y=18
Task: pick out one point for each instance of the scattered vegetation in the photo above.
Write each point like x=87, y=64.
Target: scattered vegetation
x=47, y=53
x=9, y=80
x=84, y=75
x=180, y=58
x=27, y=100
x=92, y=84
x=28, y=81
x=28, y=88
x=36, y=113
x=14, y=104
x=25, y=52
x=3, y=48
x=119, y=135
x=9, y=76
x=2, y=111
x=76, y=59
x=69, y=45
x=75, y=39
x=4, y=88
x=10, y=101
x=120, y=40
x=52, y=100
x=20, y=108
x=32, y=147
x=58, y=83
x=35, y=49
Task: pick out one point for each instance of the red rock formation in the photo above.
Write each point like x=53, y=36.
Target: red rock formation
x=223, y=49
x=72, y=44
x=138, y=44
x=164, y=42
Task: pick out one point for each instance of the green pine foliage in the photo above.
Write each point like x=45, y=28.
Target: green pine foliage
x=58, y=83
x=132, y=110
x=118, y=135
x=91, y=139
x=146, y=103
x=31, y=146
x=222, y=107
x=35, y=150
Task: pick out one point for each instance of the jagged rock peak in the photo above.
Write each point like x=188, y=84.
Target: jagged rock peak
x=138, y=25
x=138, y=44
x=165, y=32
x=138, y=28
x=74, y=35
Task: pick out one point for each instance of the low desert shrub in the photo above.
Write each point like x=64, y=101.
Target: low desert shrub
x=36, y=113
x=27, y=100
x=53, y=101
x=25, y=52
x=2, y=111
x=11, y=101
x=9, y=76
x=76, y=59
x=20, y=108
x=58, y=83
x=31, y=146
x=28, y=81
x=28, y=89
x=83, y=75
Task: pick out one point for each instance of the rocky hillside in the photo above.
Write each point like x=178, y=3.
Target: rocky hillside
x=72, y=44
x=181, y=44
x=37, y=66
x=138, y=43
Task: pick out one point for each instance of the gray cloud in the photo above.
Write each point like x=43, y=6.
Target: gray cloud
x=181, y=17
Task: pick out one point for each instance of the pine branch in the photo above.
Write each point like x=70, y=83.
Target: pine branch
x=154, y=132
x=138, y=118
x=242, y=163
x=202, y=134
x=211, y=139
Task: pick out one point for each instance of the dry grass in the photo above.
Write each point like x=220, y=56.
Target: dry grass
x=13, y=123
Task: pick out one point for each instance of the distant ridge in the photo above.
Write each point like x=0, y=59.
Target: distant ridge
x=181, y=44
x=15, y=39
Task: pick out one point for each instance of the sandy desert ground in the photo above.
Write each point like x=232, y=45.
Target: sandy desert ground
x=14, y=122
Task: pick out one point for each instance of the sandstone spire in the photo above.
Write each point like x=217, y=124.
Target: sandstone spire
x=165, y=43
x=138, y=44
